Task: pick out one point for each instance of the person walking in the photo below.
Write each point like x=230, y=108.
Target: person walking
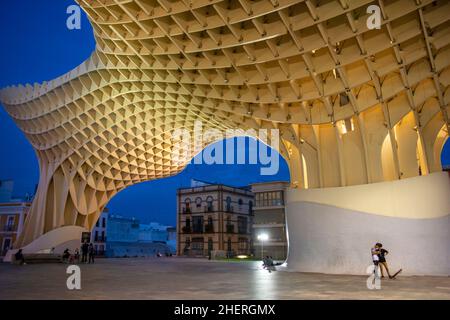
x=84, y=252
x=91, y=253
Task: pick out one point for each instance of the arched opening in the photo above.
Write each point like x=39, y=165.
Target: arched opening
x=427, y=151
x=160, y=195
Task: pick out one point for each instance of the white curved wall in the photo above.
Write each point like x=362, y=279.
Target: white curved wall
x=419, y=197
x=411, y=217
x=60, y=239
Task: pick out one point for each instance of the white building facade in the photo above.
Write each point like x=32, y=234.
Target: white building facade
x=98, y=233
x=270, y=219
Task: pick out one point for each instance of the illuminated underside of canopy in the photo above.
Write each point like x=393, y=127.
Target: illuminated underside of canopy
x=353, y=106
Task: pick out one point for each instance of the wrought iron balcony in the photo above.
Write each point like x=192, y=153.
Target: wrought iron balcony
x=11, y=228
x=209, y=228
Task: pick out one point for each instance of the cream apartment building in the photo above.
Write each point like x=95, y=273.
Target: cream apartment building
x=214, y=217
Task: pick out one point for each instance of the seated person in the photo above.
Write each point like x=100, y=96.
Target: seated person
x=66, y=255
x=19, y=257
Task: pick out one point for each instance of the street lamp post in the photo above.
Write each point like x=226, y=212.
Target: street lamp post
x=262, y=237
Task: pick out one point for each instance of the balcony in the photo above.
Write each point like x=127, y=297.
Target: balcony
x=197, y=228
x=265, y=204
x=230, y=228
x=229, y=209
x=186, y=210
x=209, y=208
x=186, y=229
x=242, y=230
x=10, y=228
x=209, y=228
x=100, y=239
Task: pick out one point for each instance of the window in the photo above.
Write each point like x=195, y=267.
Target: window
x=210, y=245
x=97, y=224
x=229, y=225
x=229, y=248
x=240, y=202
x=269, y=199
x=209, y=203
x=198, y=202
x=7, y=242
x=209, y=227
x=242, y=225
x=10, y=224
x=103, y=236
x=250, y=207
x=187, y=205
x=228, y=208
x=104, y=223
x=258, y=200
x=197, y=224
x=187, y=227
x=197, y=245
x=243, y=245
x=96, y=236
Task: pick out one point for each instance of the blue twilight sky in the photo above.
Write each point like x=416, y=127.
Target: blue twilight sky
x=37, y=46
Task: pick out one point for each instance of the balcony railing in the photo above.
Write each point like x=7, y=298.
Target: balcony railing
x=100, y=239
x=9, y=228
x=186, y=210
x=209, y=208
x=186, y=229
x=209, y=228
x=197, y=228
x=229, y=209
x=242, y=230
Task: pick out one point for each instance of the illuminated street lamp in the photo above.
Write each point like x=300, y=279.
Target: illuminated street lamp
x=263, y=237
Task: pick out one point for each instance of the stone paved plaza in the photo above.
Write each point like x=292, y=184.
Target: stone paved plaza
x=182, y=278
